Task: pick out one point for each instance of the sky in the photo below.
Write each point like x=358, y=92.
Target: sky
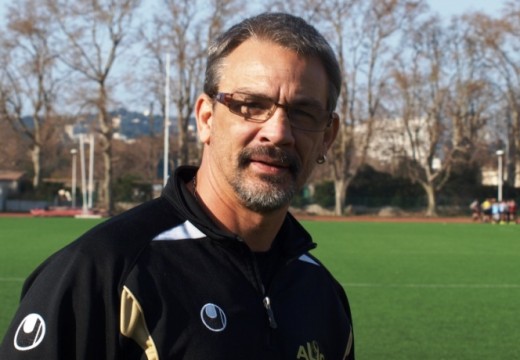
x=446, y=8
x=449, y=8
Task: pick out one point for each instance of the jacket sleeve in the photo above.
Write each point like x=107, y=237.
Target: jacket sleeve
x=349, y=352
x=67, y=311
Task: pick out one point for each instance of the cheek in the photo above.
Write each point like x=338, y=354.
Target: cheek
x=236, y=130
x=309, y=148
x=228, y=139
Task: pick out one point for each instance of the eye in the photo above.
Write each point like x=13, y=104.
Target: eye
x=305, y=115
x=251, y=106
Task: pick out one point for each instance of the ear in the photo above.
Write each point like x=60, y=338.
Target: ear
x=330, y=133
x=204, y=117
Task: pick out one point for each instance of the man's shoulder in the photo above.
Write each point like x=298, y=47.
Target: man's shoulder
x=132, y=230
x=111, y=247
x=119, y=239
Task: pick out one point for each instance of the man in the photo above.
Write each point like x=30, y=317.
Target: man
x=216, y=268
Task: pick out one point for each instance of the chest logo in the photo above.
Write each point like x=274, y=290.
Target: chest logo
x=213, y=317
x=30, y=332
x=310, y=351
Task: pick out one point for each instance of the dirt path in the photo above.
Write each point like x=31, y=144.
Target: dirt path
x=354, y=218
x=402, y=219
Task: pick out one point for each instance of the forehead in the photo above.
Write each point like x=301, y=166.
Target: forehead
x=268, y=68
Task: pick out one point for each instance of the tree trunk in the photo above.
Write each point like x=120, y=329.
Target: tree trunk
x=340, y=192
x=431, y=209
x=514, y=149
x=183, y=144
x=106, y=148
x=106, y=184
x=107, y=130
x=36, y=162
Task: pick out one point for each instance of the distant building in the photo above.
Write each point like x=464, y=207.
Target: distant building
x=390, y=142
x=9, y=185
x=490, y=175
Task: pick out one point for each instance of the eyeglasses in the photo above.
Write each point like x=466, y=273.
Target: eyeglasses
x=259, y=109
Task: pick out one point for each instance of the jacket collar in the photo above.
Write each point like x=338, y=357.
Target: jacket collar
x=292, y=237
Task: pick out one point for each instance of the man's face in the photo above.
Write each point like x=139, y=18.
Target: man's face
x=264, y=164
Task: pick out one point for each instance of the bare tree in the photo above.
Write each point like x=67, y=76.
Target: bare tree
x=27, y=80
x=363, y=33
x=155, y=49
x=92, y=35
x=440, y=104
x=501, y=38
x=472, y=94
x=10, y=155
x=183, y=31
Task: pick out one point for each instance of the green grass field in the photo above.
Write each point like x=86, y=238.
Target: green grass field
x=417, y=290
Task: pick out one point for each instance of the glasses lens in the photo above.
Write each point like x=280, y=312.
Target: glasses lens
x=251, y=107
x=308, y=118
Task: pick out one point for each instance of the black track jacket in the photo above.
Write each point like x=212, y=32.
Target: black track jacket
x=162, y=282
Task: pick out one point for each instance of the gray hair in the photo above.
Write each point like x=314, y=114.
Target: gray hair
x=288, y=31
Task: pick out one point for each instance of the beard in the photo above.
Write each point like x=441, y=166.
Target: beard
x=273, y=191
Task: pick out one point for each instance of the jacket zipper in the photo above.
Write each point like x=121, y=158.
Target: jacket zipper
x=265, y=297
x=266, y=301
x=270, y=314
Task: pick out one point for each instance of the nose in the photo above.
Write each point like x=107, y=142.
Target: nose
x=277, y=130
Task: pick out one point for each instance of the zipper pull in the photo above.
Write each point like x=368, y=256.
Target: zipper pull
x=270, y=314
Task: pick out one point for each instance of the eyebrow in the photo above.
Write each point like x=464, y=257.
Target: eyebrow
x=303, y=101
x=249, y=91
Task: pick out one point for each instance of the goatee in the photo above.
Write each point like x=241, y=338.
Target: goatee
x=275, y=191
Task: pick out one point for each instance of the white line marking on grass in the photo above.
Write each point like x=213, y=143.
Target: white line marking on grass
x=434, y=286
x=3, y=279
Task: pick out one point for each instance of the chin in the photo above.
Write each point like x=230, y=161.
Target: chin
x=265, y=196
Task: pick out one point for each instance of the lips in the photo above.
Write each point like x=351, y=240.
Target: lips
x=274, y=162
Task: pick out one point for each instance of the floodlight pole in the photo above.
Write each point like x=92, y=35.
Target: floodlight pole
x=83, y=172
x=500, y=178
x=74, y=153
x=166, y=120
x=91, y=172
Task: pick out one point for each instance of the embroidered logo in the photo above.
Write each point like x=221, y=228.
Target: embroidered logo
x=213, y=317
x=30, y=332
x=310, y=351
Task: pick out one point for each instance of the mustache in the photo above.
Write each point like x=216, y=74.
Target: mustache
x=275, y=154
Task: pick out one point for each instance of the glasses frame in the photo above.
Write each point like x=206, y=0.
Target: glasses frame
x=226, y=98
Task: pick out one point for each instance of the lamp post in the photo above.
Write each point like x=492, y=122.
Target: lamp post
x=500, y=179
x=73, y=152
x=83, y=173
x=91, y=173
x=166, y=121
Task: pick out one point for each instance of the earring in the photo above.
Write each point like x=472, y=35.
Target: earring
x=321, y=159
